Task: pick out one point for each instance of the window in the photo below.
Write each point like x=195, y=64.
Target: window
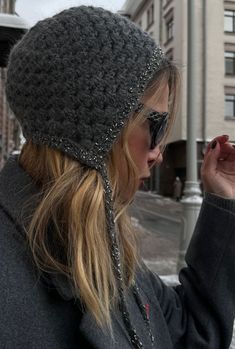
x=150, y=16
x=169, y=28
x=229, y=21
x=230, y=106
x=229, y=62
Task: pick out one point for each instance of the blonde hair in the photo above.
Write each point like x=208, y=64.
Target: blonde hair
x=67, y=232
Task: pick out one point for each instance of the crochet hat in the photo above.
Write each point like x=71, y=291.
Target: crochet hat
x=75, y=78
x=72, y=82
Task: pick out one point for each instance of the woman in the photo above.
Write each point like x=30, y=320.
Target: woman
x=96, y=99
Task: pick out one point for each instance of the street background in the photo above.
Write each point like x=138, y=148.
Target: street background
x=158, y=220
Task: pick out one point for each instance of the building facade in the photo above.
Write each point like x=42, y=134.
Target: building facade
x=166, y=21
x=11, y=29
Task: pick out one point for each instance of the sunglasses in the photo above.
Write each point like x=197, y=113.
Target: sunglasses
x=158, y=123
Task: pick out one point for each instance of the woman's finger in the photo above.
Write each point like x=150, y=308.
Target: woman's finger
x=221, y=139
x=211, y=158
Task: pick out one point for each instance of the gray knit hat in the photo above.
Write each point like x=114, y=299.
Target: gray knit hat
x=72, y=82
x=75, y=78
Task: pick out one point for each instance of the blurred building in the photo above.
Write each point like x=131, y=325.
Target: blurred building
x=12, y=28
x=7, y=6
x=166, y=22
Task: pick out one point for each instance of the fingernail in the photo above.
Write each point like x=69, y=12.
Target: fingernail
x=213, y=144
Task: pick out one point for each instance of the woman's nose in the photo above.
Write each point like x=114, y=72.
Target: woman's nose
x=155, y=156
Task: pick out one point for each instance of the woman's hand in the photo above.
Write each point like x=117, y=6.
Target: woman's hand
x=218, y=168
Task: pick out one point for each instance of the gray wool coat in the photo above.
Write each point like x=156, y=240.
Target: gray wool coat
x=40, y=312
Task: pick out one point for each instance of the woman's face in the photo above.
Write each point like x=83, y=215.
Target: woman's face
x=139, y=140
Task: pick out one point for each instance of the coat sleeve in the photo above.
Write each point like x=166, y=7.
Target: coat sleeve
x=200, y=311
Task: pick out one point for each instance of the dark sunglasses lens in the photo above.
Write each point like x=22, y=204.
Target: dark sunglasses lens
x=157, y=131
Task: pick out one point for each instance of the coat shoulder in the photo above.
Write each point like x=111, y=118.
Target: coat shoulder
x=16, y=267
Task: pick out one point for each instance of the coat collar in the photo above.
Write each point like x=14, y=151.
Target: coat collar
x=19, y=197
